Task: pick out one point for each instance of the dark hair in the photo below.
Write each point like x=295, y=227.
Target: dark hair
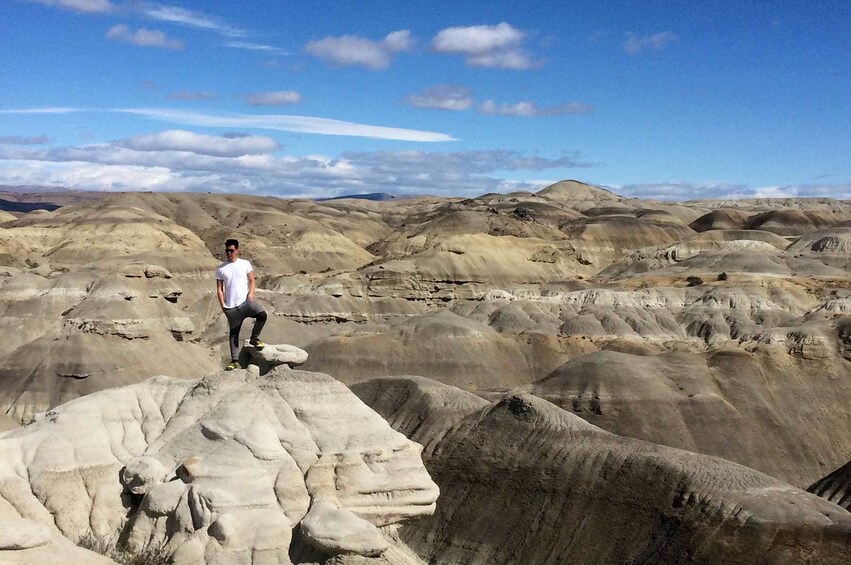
x=233, y=242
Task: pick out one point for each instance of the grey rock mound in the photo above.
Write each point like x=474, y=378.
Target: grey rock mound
x=525, y=481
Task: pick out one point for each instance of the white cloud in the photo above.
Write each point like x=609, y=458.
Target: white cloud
x=499, y=46
x=441, y=97
x=191, y=95
x=116, y=166
x=282, y=122
x=257, y=47
x=84, y=6
x=189, y=18
x=23, y=139
x=729, y=191
x=216, y=146
x=656, y=42
x=477, y=40
x=143, y=37
x=275, y=122
x=274, y=98
x=355, y=50
x=529, y=109
x=57, y=110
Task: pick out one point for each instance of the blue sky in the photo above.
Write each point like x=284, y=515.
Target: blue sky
x=671, y=100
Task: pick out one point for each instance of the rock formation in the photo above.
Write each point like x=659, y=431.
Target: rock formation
x=524, y=481
x=722, y=327
x=215, y=470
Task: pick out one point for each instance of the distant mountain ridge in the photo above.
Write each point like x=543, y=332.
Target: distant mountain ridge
x=376, y=196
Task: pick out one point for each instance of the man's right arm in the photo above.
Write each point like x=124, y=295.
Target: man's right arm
x=220, y=292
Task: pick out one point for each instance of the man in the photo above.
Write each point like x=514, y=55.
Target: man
x=235, y=287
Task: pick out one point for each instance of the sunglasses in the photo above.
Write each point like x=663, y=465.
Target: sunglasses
x=230, y=250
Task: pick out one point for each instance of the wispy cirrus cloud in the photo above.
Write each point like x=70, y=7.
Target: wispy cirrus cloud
x=191, y=95
x=270, y=49
x=283, y=122
x=190, y=18
x=498, y=46
x=52, y=110
x=655, y=42
x=530, y=109
x=143, y=37
x=274, y=98
x=441, y=97
x=274, y=122
x=23, y=139
x=350, y=50
x=82, y=6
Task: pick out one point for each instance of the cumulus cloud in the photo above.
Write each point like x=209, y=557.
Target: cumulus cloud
x=143, y=37
x=656, y=42
x=349, y=50
x=154, y=164
x=530, y=109
x=499, y=46
x=461, y=162
x=730, y=191
x=189, y=18
x=441, y=97
x=274, y=98
x=216, y=146
x=23, y=139
x=191, y=95
x=257, y=47
x=84, y=6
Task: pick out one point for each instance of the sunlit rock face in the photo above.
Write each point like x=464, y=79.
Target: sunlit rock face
x=215, y=470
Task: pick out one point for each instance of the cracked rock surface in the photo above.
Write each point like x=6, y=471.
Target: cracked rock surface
x=230, y=468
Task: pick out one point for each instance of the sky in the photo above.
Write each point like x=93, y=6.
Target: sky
x=669, y=100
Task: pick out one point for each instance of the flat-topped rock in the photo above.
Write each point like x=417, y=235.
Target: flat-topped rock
x=272, y=356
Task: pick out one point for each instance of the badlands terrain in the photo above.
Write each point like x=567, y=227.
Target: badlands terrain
x=560, y=376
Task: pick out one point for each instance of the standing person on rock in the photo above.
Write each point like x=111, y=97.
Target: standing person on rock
x=235, y=288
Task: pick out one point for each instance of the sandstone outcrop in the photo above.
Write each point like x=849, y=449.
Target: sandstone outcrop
x=220, y=469
x=272, y=356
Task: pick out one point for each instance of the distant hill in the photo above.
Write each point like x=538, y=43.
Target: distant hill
x=23, y=199
x=378, y=196
x=11, y=206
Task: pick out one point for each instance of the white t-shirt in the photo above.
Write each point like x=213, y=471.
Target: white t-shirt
x=235, y=277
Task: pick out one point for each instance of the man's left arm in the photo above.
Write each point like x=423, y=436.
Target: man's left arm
x=251, y=285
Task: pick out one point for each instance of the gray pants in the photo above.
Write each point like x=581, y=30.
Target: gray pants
x=237, y=315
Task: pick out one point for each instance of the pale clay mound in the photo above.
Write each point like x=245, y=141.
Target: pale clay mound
x=524, y=481
x=218, y=470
